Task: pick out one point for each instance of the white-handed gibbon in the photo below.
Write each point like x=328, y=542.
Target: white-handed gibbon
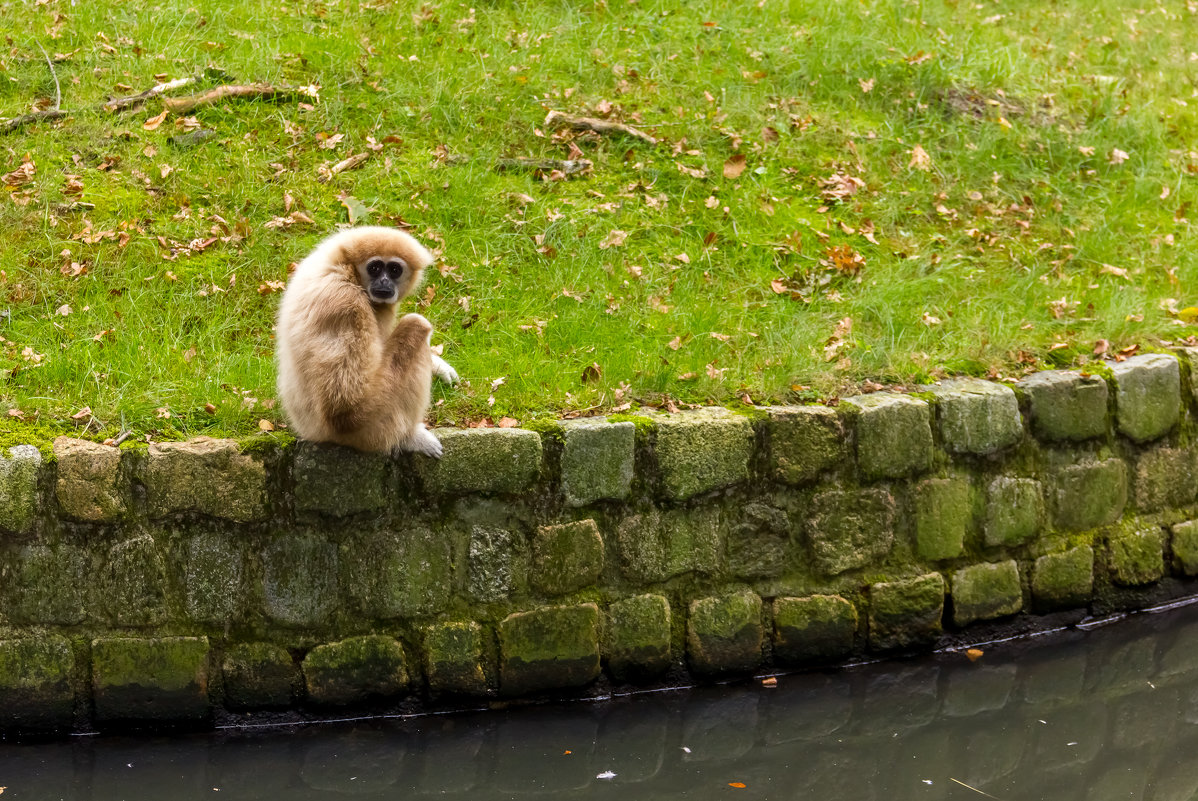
x=349, y=371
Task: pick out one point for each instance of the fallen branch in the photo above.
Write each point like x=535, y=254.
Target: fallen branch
x=118, y=103
x=564, y=166
x=8, y=126
x=262, y=91
x=558, y=119
x=327, y=173
x=57, y=89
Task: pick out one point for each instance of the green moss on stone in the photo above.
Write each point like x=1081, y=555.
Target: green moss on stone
x=340, y=481
x=724, y=634
x=132, y=587
x=986, y=591
x=894, y=434
x=656, y=545
x=597, y=461
x=943, y=516
x=392, y=574
x=46, y=584
x=1185, y=546
x=19, y=502
x=155, y=679
x=977, y=416
x=759, y=542
x=818, y=629
x=36, y=684
x=355, y=670
x=1089, y=495
x=566, y=557
x=453, y=658
x=260, y=675
x=1014, y=511
x=1063, y=580
x=214, y=578
x=300, y=579
x=488, y=460
x=637, y=644
x=703, y=450
x=1065, y=406
x=549, y=648
x=207, y=476
x=490, y=563
x=847, y=529
x=906, y=613
x=89, y=486
x=1165, y=478
x=1147, y=395
x=1136, y=554
x=805, y=442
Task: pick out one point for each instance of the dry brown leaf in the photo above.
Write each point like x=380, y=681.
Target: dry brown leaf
x=153, y=122
x=21, y=175
x=591, y=373
x=265, y=425
x=613, y=239
x=508, y=422
x=920, y=159
x=675, y=343
x=734, y=166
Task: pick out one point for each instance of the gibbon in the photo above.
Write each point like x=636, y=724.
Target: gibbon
x=349, y=372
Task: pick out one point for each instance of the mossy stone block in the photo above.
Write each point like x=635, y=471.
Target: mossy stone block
x=818, y=629
x=849, y=529
x=339, y=481
x=566, y=557
x=46, y=584
x=598, y=460
x=638, y=638
x=18, y=488
x=453, y=658
x=549, y=648
x=355, y=670
x=758, y=542
x=1014, y=511
x=490, y=563
x=1185, y=546
x=260, y=675
x=943, y=516
x=894, y=434
x=1136, y=555
x=214, y=578
x=658, y=545
x=977, y=416
x=1190, y=356
x=486, y=460
x=161, y=679
x=702, y=450
x=1064, y=406
x=906, y=613
x=36, y=684
x=1147, y=395
x=132, y=587
x=1089, y=495
x=986, y=591
x=89, y=485
x=206, y=476
x=1165, y=478
x=1063, y=580
x=724, y=634
x=805, y=442
x=394, y=574
x=299, y=579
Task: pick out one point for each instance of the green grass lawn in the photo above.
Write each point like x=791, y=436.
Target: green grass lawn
x=842, y=195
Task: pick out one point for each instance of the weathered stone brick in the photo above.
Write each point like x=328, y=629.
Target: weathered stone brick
x=638, y=638
x=355, y=670
x=260, y=675
x=566, y=557
x=724, y=634
x=1065, y=406
x=1190, y=357
x=758, y=541
x=894, y=434
x=943, y=516
x=1063, y=580
x=215, y=589
x=702, y=450
x=598, y=460
x=657, y=545
x=392, y=574
x=1089, y=495
x=89, y=485
x=339, y=481
x=486, y=460
x=47, y=584
x=300, y=579
x=36, y=693
x=1014, y=511
x=18, y=488
x=805, y=441
x=453, y=658
x=813, y=630
x=1136, y=554
x=977, y=416
x=1165, y=478
x=132, y=584
x=1147, y=395
x=208, y=476
x=986, y=591
x=158, y=679
x=549, y=648
x=1185, y=546
x=850, y=529
x=906, y=612
x=490, y=563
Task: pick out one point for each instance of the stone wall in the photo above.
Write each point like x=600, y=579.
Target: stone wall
x=189, y=582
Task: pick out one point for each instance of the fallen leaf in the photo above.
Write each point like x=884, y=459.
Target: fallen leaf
x=510, y=422
x=675, y=343
x=1101, y=347
x=153, y=122
x=63, y=310
x=265, y=425
x=1188, y=315
x=1108, y=269
x=920, y=159
x=769, y=681
x=867, y=86
x=738, y=785
x=21, y=175
x=210, y=408
x=613, y=239
x=17, y=413
x=497, y=383
x=682, y=257
x=1118, y=156
x=734, y=166
x=974, y=654
x=83, y=414
x=591, y=373
x=356, y=209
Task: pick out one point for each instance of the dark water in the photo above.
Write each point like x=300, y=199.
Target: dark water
x=1101, y=714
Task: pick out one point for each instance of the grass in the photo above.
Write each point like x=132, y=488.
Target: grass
x=924, y=189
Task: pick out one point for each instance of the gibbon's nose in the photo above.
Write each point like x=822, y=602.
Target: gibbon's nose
x=383, y=291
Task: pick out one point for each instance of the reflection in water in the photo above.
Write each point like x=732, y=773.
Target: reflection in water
x=1109, y=714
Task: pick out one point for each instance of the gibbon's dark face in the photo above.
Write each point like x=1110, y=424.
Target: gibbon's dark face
x=383, y=278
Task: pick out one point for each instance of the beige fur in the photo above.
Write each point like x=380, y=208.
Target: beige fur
x=349, y=372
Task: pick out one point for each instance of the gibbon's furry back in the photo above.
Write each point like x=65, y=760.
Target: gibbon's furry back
x=349, y=371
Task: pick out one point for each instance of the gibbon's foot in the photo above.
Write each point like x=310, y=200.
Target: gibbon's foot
x=444, y=371
x=422, y=441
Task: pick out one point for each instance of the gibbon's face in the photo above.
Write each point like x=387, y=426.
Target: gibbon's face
x=383, y=278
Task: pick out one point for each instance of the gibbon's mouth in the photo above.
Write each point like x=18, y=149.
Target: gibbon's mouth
x=380, y=297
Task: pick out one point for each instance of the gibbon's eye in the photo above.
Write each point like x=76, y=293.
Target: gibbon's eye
x=394, y=270
x=374, y=268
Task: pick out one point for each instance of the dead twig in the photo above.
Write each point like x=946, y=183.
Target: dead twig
x=558, y=119
x=118, y=103
x=564, y=166
x=180, y=105
x=327, y=173
x=54, y=75
x=52, y=113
